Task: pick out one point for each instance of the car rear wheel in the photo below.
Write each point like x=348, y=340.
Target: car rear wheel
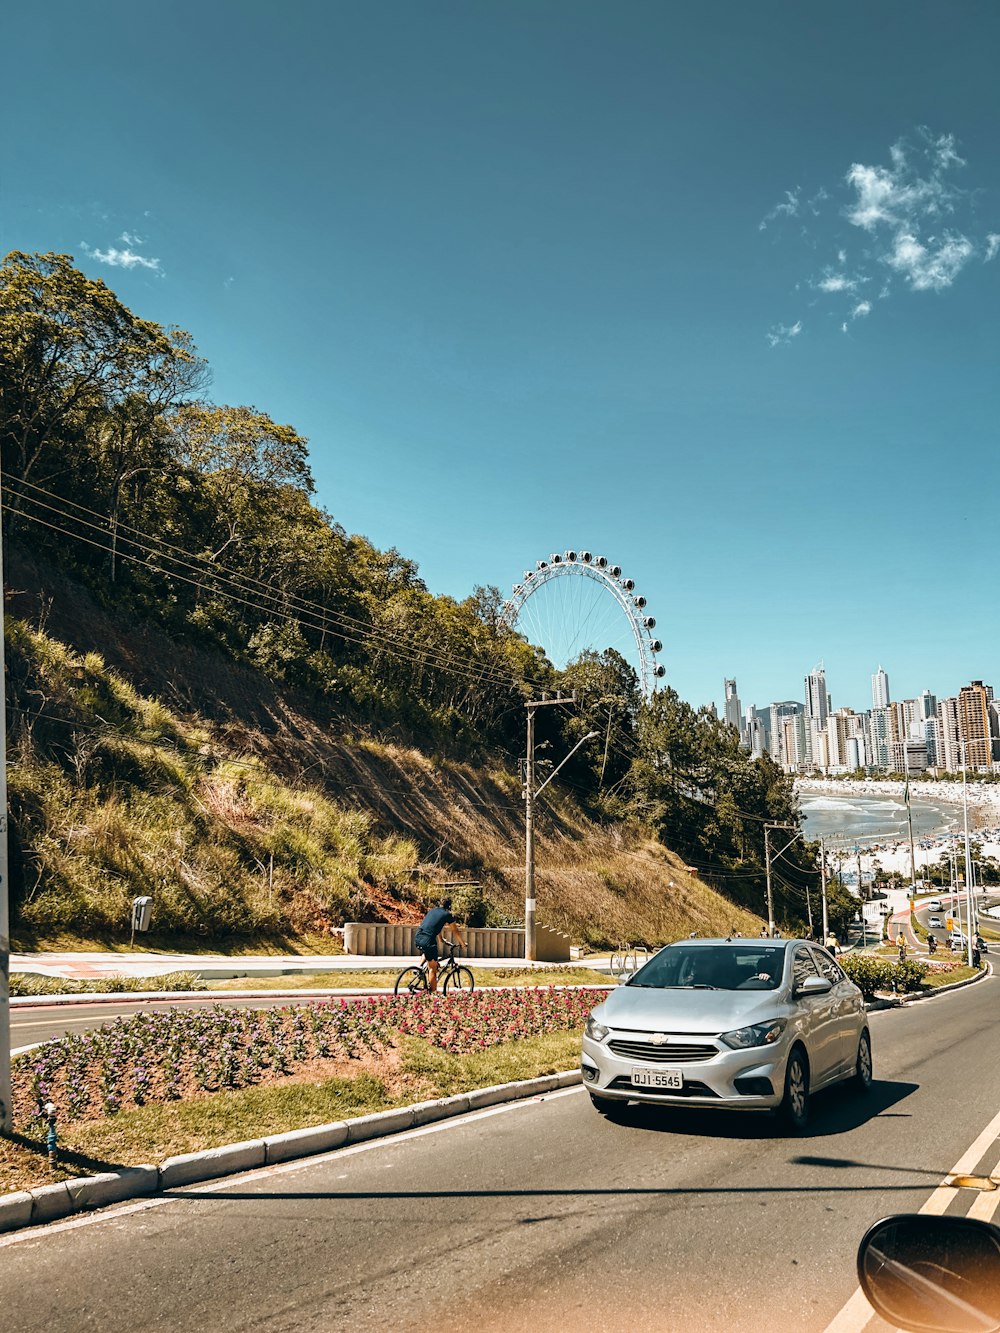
x=795, y=1105
x=863, y=1064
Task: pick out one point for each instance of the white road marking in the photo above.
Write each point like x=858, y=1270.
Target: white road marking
x=857, y=1313
x=279, y=1169
x=985, y=1204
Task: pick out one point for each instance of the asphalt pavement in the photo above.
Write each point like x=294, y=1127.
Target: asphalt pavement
x=544, y=1216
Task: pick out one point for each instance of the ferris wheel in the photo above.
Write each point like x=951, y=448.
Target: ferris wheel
x=575, y=601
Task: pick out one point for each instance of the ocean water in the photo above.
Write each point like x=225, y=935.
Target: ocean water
x=874, y=818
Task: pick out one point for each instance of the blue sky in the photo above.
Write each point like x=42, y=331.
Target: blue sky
x=551, y=274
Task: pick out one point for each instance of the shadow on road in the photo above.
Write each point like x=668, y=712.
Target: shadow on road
x=837, y=1111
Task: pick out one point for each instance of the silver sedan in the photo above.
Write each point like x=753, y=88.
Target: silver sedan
x=742, y=1024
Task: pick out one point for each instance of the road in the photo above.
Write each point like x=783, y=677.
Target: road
x=544, y=1216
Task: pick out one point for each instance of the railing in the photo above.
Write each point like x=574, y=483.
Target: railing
x=627, y=959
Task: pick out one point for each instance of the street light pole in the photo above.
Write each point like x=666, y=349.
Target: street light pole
x=968, y=857
x=530, y=792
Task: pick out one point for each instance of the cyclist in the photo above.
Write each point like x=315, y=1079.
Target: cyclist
x=429, y=932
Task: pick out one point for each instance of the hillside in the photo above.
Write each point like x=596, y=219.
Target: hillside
x=140, y=765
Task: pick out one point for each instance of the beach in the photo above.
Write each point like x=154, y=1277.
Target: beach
x=941, y=820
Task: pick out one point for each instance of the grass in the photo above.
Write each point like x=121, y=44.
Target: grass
x=151, y=1133
x=31, y=983
x=375, y=980
x=935, y=979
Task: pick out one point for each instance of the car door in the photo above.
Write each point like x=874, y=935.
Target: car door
x=847, y=1007
x=816, y=1017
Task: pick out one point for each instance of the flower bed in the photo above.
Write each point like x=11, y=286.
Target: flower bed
x=463, y=1023
x=179, y=1054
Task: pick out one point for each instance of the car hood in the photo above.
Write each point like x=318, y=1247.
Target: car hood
x=649, y=1009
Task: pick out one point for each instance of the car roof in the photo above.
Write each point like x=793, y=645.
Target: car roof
x=736, y=941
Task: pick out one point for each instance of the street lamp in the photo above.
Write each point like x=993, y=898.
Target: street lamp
x=530, y=792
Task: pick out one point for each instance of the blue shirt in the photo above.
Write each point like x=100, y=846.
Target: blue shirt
x=434, y=922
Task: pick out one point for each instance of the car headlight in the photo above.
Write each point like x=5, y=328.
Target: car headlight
x=758, y=1034
x=594, y=1030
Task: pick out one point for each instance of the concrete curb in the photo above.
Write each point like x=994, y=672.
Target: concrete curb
x=179, y=996
x=51, y=1203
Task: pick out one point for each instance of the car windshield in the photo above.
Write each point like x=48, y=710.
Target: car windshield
x=746, y=966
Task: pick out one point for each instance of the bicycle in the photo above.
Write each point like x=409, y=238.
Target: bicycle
x=451, y=976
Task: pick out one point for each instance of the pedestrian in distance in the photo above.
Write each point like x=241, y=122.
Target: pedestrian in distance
x=429, y=932
x=902, y=948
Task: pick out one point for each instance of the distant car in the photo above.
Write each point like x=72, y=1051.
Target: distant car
x=935, y=923
x=957, y=940
x=935, y=905
x=753, y=1025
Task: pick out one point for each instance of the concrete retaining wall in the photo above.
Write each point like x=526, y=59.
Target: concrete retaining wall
x=551, y=946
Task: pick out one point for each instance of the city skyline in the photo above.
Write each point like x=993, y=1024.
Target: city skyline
x=910, y=735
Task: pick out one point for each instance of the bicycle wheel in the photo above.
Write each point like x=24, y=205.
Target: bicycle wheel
x=410, y=981
x=461, y=979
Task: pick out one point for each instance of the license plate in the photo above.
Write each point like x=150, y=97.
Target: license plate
x=657, y=1078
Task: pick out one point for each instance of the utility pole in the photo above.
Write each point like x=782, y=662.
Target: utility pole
x=767, y=866
x=6, y=1109
x=530, y=792
x=822, y=872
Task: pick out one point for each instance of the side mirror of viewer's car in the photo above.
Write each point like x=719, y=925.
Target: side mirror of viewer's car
x=927, y=1273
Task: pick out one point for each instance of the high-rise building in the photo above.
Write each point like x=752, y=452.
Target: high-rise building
x=974, y=723
x=757, y=729
x=845, y=732
x=928, y=705
x=788, y=741
x=883, y=729
x=908, y=757
x=731, y=710
x=946, y=741
x=817, y=711
x=880, y=689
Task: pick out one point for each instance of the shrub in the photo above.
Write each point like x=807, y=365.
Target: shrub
x=873, y=974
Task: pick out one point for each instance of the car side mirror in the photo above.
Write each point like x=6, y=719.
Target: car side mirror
x=814, y=986
x=925, y=1273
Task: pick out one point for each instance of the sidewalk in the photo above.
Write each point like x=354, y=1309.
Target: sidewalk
x=219, y=967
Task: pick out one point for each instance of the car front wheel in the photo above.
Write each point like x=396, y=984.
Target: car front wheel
x=795, y=1105
x=863, y=1064
x=609, y=1107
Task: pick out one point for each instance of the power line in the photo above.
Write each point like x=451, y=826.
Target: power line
x=323, y=626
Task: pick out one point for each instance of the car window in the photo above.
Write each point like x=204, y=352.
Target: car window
x=827, y=967
x=803, y=967
x=744, y=966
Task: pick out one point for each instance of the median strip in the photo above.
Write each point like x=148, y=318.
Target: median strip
x=51, y=1203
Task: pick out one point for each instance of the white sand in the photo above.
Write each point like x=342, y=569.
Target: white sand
x=984, y=820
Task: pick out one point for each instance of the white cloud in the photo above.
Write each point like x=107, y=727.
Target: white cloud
x=130, y=238
x=836, y=282
x=784, y=333
x=126, y=258
x=931, y=267
x=788, y=209
x=920, y=231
